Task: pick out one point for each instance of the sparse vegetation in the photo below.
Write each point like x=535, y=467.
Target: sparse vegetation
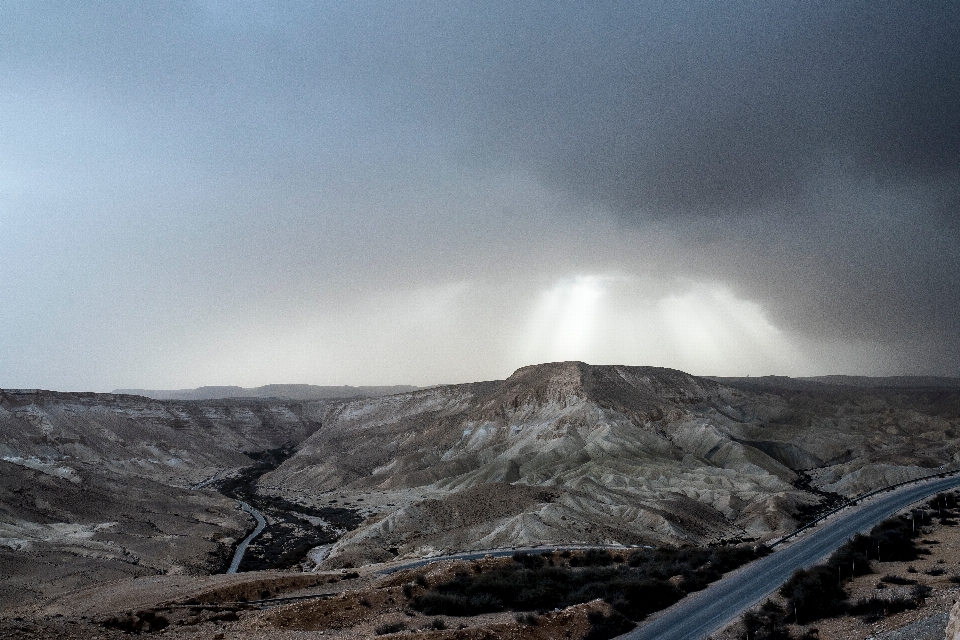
x=650, y=580
x=603, y=627
x=437, y=624
x=390, y=627
x=876, y=608
x=528, y=619
x=813, y=594
x=766, y=623
x=891, y=579
x=139, y=622
x=817, y=592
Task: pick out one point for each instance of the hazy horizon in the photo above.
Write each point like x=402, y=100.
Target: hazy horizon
x=374, y=193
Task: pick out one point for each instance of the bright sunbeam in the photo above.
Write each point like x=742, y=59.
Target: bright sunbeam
x=697, y=327
x=711, y=330
x=564, y=322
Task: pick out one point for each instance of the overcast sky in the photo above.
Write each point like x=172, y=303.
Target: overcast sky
x=251, y=192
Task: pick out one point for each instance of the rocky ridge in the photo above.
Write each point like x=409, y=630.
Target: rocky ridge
x=630, y=455
x=102, y=487
x=556, y=453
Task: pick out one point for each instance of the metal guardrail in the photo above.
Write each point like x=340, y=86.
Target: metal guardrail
x=855, y=500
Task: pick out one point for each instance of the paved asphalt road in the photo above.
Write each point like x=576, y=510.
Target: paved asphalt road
x=242, y=548
x=703, y=613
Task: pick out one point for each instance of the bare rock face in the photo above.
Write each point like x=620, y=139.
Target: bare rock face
x=177, y=442
x=953, y=625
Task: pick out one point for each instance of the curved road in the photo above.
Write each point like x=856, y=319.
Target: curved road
x=242, y=548
x=703, y=613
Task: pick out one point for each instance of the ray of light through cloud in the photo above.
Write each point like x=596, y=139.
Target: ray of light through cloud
x=381, y=193
x=702, y=327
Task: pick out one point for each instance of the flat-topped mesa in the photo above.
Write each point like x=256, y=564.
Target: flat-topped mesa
x=634, y=390
x=544, y=383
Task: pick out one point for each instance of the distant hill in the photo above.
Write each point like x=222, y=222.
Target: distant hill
x=889, y=381
x=285, y=391
x=821, y=383
x=558, y=453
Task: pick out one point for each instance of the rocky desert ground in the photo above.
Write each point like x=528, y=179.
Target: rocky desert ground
x=112, y=504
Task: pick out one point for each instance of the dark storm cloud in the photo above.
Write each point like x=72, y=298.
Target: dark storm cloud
x=160, y=160
x=813, y=149
x=691, y=107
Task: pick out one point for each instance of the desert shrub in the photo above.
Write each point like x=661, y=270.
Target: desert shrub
x=529, y=560
x=852, y=559
x=449, y=604
x=422, y=580
x=935, y=571
x=920, y=591
x=814, y=594
x=955, y=579
x=892, y=579
x=592, y=558
x=140, y=622
x=875, y=607
x=603, y=627
x=437, y=624
x=766, y=623
x=636, y=599
x=634, y=591
x=943, y=501
x=895, y=537
x=528, y=618
x=390, y=627
x=523, y=589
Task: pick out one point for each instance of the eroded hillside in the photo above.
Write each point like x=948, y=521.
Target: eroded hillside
x=99, y=487
x=569, y=452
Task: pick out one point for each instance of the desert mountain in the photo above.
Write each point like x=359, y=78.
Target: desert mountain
x=281, y=391
x=95, y=487
x=570, y=452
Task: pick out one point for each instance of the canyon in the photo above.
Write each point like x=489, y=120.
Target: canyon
x=100, y=489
